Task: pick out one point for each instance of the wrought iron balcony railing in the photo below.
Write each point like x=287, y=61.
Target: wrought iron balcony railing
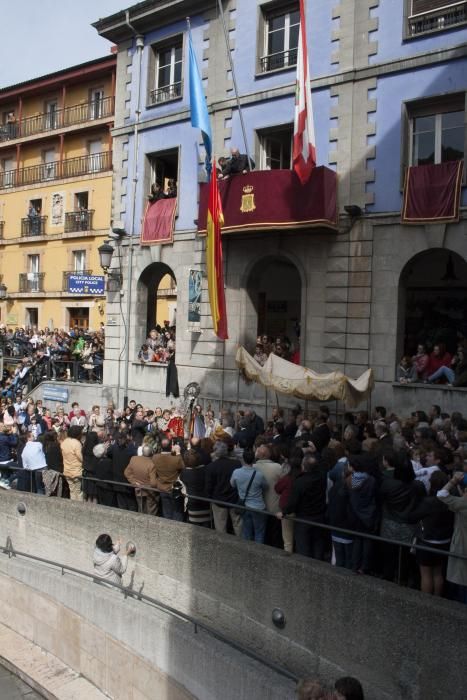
x=33, y=226
x=78, y=220
x=58, y=119
x=43, y=172
x=282, y=59
x=452, y=14
x=164, y=94
x=67, y=274
x=31, y=281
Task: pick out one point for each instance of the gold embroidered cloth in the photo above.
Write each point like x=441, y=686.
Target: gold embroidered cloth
x=287, y=378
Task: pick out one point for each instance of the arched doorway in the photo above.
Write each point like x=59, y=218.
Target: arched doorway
x=274, y=291
x=432, y=300
x=159, y=287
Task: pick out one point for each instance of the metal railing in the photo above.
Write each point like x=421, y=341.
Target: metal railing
x=129, y=592
x=31, y=281
x=78, y=220
x=56, y=170
x=436, y=20
x=33, y=226
x=59, y=118
x=281, y=59
x=353, y=534
x=163, y=94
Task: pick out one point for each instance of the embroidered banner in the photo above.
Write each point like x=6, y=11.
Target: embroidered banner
x=432, y=193
x=159, y=221
x=275, y=199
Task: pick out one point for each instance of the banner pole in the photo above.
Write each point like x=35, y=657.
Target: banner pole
x=234, y=81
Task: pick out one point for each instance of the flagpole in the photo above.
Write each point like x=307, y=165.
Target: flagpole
x=234, y=80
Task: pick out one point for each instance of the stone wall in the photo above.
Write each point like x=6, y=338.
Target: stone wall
x=336, y=623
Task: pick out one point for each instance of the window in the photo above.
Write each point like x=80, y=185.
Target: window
x=281, y=27
x=8, y=173
x=168, y=72
x=33, y=273
x=48, y=160
x=436, y=130
x=276, y=148
x=426, y=16
x=51, y=107
x=164, y=169
x=81, y=200
x=79, y=261
x=96, y=103
x=95, y=155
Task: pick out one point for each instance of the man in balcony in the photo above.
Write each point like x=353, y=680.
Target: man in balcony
x=237, y=163
x=34, y=220
x=11, y=125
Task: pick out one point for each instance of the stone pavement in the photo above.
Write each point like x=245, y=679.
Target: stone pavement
x=13, y=688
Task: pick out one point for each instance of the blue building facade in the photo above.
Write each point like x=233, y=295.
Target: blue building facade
x=389, y=85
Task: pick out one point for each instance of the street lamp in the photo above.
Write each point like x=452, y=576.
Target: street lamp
x=3, y=292
x=105, y=255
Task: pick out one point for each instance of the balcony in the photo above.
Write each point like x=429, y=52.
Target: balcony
x=61, y=118
x=451, y=15
x=31, y=281
x=33, y=226
x=78, y=220
x=45, y=172
x=67, y=274
x=164, y=94
x=282, y=59
x=270, y=200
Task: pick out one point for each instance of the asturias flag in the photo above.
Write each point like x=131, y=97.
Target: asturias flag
x=215, y=266
x=198, y=106
x=304, y=151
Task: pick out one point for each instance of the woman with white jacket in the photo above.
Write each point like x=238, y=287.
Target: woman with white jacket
x=108, y=565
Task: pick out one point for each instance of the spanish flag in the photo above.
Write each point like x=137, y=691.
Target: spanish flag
x=215, y=265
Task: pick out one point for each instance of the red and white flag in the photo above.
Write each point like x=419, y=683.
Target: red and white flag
x=304, y=151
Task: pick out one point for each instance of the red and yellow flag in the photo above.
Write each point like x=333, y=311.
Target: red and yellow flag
x=215, y=266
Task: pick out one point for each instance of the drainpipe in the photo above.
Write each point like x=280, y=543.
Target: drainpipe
x=139, y=50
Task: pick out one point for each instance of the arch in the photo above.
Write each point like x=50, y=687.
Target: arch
x=431, y=300
x=274, y=293
x=157, y=296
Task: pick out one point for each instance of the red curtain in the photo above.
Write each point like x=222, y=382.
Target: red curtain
x=158, y=222
x=432, y=193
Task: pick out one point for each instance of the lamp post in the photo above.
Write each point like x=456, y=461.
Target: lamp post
x=106, y=252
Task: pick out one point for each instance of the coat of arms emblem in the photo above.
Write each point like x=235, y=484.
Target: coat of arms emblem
x=248, y=200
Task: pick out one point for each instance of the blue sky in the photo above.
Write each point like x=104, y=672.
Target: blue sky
x=41, y=36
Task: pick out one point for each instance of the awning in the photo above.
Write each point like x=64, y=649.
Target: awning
x=275, y=199
x=287, y=378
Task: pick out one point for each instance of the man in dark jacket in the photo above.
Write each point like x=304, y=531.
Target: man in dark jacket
x=308, y=501
x=218, y=475
x=321, y=434
x=8, y=440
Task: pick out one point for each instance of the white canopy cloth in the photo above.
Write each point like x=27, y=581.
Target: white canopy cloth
x=287, y=378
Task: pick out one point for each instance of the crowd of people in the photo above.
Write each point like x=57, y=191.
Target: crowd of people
x=49, y=353
x=280, y=346
x=435, y=367
x=159, y=346
x=402, y=478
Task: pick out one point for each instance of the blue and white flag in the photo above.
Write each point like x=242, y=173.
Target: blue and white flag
x=198, y=106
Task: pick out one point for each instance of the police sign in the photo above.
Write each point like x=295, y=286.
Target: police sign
x=86, y=284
